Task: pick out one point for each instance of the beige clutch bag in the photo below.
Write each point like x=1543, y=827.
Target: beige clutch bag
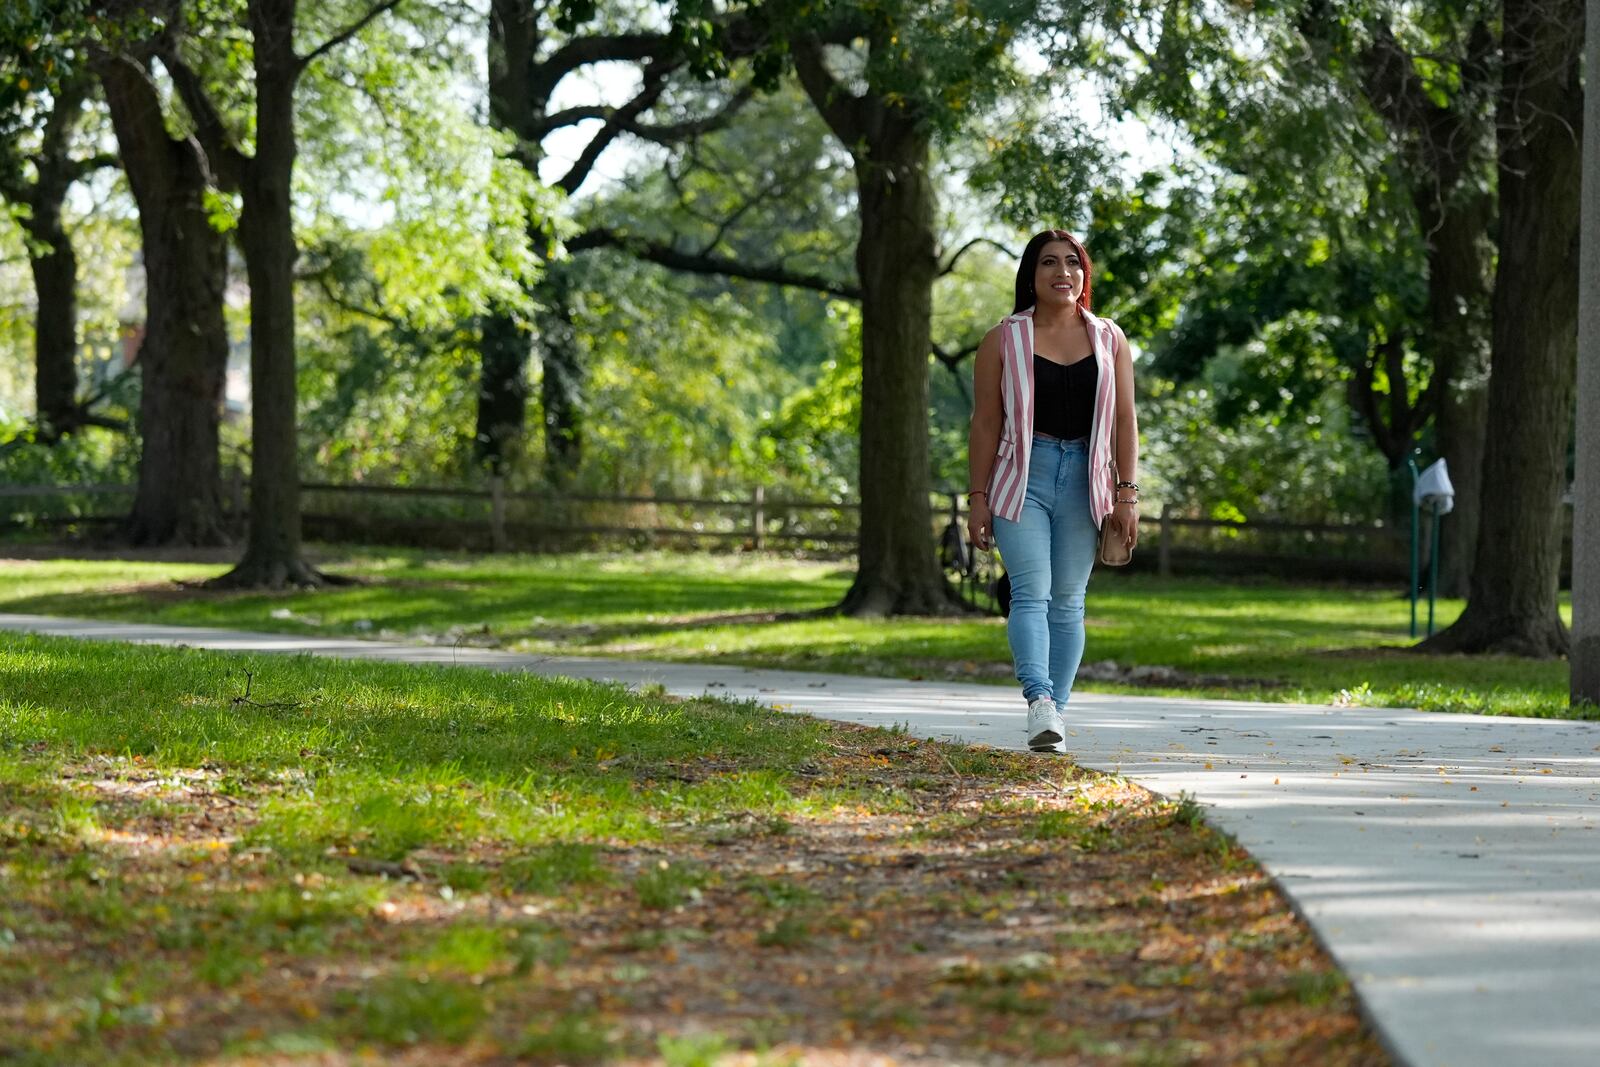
x=1113, y=551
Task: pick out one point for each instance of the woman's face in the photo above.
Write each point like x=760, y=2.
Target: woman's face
x=1058, y=279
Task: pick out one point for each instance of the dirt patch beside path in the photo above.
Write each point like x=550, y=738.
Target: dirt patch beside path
x=1005, y=909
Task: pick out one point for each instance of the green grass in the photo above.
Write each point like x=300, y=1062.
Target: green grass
x=668, y=885
x=456, y=865
x=381, y=759
x=788, y=931
x=403, y=1011
x=509, y=784
x=575, y=1039
x=1254, y=640
x=555, y=867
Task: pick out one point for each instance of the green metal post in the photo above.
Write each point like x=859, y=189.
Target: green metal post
x=1412, y=496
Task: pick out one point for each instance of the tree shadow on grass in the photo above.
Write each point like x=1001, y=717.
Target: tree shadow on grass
x=405, y=604
x=603, y=947
x=1190, y=635
x=407, y=720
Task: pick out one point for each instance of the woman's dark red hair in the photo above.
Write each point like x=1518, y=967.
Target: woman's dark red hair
x=1026, y=297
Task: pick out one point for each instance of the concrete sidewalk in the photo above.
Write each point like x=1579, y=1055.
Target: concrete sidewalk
x=1451, y=863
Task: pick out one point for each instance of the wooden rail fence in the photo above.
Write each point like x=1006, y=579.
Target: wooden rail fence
x=499, y=518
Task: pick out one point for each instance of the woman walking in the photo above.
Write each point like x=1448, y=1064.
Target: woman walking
x=1052, y=456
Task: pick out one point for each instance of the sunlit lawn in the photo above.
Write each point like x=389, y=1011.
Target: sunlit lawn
x=1261, y=640
x=386, y=863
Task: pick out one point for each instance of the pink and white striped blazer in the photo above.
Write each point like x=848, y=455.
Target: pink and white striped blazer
x=1008, y=482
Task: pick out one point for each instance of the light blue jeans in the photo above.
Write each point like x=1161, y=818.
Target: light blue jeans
x=1049, y=553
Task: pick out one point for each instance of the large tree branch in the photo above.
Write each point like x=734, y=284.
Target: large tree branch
x=1436, y=141
x=950, y=265
x=573, y=115
x=58, y=173
x=105, y=422
x=149, y=155
x=227, y=163
x=1390, y=83
x=43, y=431
x=749, y=204
x=106, y=388
x=1394, y=355
x=659, y=50
x=335, y=296
x=13, y=186
x=742, y=37
x=1432, y=397
x=601, y=48
x=669, y=255
x=53, y=161
x=1440, y=138
x=705, y=158
x=953, y=359
x=841, y=110
x=676, y=132
x=661, y=133
x=1363, y=396
x=655, y=83
x=1483, y=51
x=53, y=150
x=1438, y=135
x=82, y=168
x=344, y=35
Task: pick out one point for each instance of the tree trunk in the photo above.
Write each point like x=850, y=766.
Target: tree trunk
x=898, y=567
x=1512, y=605
x=562, y=379
x=504, y=342
x=55, y=267
x=1441, y=144
x=1586, y=511
x=1459, y=427
x=55, y=339
x=183, y=356
x=504, y=347
x=1457, y=339
x=272, y=557
x=519, y=99
x=502, y=388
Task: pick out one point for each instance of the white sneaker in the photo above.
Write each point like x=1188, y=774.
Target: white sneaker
x=1046, y=732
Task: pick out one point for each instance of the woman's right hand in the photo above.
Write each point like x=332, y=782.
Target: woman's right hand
x=980, y=524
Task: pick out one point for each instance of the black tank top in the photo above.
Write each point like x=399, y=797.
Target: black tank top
x=1063, y=397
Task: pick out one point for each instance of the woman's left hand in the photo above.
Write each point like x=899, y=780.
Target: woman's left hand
x=1125, y=520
